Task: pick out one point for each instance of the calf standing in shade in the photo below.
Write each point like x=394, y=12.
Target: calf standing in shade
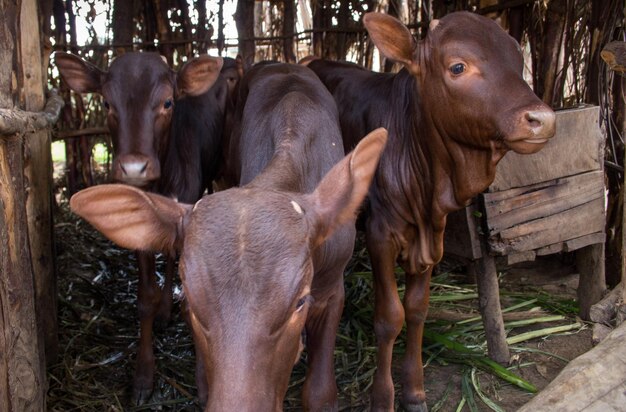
x=166, y=129
x=262, y=262
x=458, y=105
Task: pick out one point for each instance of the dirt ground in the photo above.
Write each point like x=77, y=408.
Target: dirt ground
x=98, y=333
x=553, y=275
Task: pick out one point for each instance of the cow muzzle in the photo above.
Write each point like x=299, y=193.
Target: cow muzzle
x=136, y=170
x=534, y=129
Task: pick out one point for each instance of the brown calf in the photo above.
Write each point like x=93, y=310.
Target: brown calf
x=166, y=130
x=459, y=104
x=263, y=261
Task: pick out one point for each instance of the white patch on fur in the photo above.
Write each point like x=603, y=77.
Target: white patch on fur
x=296, y=207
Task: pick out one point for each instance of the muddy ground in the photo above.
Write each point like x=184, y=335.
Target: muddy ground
x=98, y=333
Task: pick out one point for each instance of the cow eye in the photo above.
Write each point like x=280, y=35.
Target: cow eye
x=106, y=104
x=301, y=302
x=167, y=104
x=457, y=68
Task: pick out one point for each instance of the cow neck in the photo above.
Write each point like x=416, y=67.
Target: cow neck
x=426, y=173
x=285, y=169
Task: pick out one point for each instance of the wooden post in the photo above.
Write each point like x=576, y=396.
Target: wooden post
x=614, y=54
x=38, y=175
x=489, y=305
x=22, y=378
x=592, y=283
x=22, y=372
x=22, y=363
x=244, y=19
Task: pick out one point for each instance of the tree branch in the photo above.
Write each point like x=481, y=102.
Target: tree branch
x=14, y=121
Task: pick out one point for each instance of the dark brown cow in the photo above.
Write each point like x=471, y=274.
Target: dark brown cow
x=166, y=130
x=459, y=104
x=263, y=261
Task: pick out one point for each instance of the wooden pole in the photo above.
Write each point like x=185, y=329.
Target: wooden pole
x=39, y=181
x=614, y=54
x=25, y=225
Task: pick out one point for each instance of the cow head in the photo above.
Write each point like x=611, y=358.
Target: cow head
x=246, y=266
x=140, y=93
x=469, y=74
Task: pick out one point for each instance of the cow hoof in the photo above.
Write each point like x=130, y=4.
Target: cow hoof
x=415, y=407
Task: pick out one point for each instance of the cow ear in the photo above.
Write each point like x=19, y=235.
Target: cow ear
x=81, y=76
x=132, y=218
x=393, y=39
x=340, y=193
x=198, y=75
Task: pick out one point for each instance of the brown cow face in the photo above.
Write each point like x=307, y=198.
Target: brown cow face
x=247, y=270
x=469, y=72
x=140, y=93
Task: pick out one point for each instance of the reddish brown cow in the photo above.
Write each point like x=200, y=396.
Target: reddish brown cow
x=263, y=261
x=166, y=130
x=458, y=105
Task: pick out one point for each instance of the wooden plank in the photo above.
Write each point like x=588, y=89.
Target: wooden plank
x=563, y=194
x=580, y=242
x=573, y=223
x=577, y=147
x=527, y=256
x=500, y=202
x=595, y=376
x=550, y=249
x=572, y=244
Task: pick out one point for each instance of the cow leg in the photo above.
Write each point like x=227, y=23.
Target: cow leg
x=148, y=301
x=320, y=388
x=415, y=308
x=165, y=305
x=199, y=348
x=388, y=318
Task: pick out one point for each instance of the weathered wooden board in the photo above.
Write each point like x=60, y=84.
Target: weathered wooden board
x=595, y=381
x=577, y=147
x=578, y=221
x=509, y=208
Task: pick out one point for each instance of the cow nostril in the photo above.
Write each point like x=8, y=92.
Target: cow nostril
x=134, y=169
x=541, y=122
x=533, y=121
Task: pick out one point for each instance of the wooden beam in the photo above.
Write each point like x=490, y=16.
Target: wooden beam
x=592, y=382
x=504, y=5
x=72, y=134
